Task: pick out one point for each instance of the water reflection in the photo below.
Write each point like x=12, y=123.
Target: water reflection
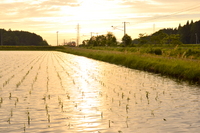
x=87, y=114
x=66, y=93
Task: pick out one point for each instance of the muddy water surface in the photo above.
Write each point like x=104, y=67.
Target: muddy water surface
x=59, y=92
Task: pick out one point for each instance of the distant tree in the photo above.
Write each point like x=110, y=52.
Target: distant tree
x=111, y=39
x=101, y=40
x=127, y=40
x=108, y=40
x=85, y=42
x=143, y=38
x=21, y=38
x=92, y=41
x=157, y=37
x=187, y=34
x=195, y=33
x=172, y=39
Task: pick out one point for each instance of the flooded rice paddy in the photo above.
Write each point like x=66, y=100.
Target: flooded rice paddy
x=58, y=92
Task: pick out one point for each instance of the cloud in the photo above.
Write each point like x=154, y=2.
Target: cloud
x=19, y=10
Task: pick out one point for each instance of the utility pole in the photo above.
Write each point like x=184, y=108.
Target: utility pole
x=78, y=34
x=91, y=34
x=125, y=27
x=57, y=38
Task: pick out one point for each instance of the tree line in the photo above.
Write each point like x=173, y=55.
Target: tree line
x=186, y=34
x=107, y=40
x=20, y=38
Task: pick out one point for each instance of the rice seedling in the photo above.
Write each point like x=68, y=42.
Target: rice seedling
x=15, y=104
x=44, y=98
x=1, y=100
x=11, y=112
x=46, y=108
x=147, y=94
x=63, y=106
x=152, y=112
x=30, y=92
x=76, y=105
x=8, y=120
x=101, y=115
x=18, y=84
x=122, y=95
x=127, y=108
x=74, y=82
x=68, y=97
x=127, y=122
x=29, y=120
x=24, y=127
x=156, y=98
x=8, y=80
x=128, y=99
x=48, y=118
x=10, y=95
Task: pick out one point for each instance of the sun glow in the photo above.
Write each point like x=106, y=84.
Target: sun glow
x=89, y=10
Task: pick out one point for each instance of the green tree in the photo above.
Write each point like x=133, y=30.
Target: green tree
x=143, y=38
x=101, y=40
x=127, y=40
x=92, y=41
x=111, y=39
x=157, y=37
x=172, y=39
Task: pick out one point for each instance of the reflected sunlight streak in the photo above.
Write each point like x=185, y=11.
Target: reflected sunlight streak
x=89, y=104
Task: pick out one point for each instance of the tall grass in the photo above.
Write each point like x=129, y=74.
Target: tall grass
x=180, y=68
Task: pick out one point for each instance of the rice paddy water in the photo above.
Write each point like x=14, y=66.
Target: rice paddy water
x=59, y=92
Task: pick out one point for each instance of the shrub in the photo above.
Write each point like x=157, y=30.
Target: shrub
x=158, y=51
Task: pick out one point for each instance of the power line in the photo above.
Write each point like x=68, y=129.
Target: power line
x=116, y=27
x=177, y=12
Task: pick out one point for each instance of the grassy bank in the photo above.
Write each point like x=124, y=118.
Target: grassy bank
x=180, y=68
x=190, y=51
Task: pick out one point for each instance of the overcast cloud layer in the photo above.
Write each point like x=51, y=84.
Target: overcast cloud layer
x=45, y=17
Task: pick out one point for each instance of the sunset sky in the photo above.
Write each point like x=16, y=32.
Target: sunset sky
x=46, y=17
